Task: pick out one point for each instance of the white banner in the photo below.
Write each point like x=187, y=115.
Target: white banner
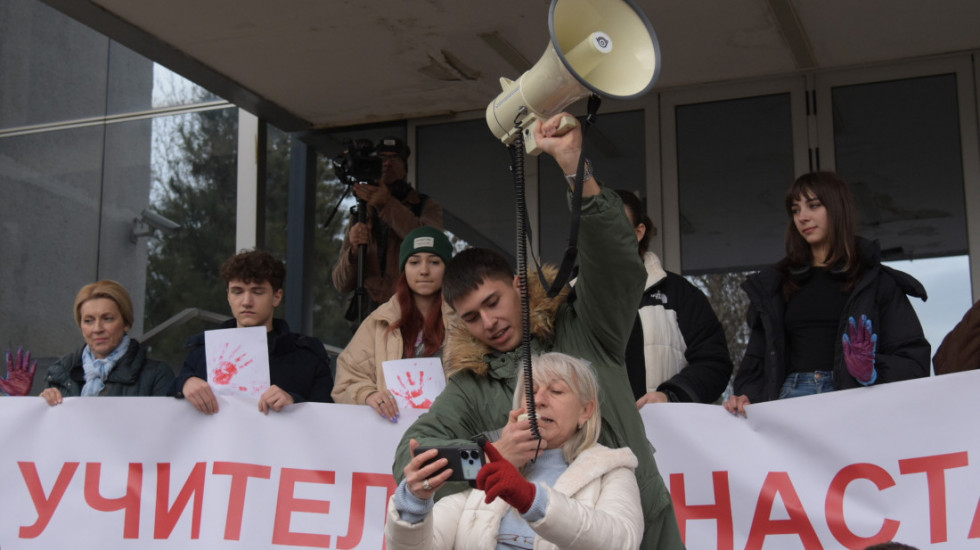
x=832, y=471
x=135, y=472
x=837, y=470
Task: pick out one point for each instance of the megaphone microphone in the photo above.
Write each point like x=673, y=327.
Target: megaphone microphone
x=603, y=47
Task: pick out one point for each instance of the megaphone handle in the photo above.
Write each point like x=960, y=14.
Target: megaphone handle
x=564, y=125
x=531, y=145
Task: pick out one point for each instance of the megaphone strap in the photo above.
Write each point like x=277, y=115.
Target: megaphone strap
x=571, y=252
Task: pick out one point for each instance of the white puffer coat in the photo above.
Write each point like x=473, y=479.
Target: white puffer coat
x=594, y=504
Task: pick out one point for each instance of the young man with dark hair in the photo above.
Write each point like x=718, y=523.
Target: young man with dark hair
x=593, y=321
x=472, y=267
x=299, y=367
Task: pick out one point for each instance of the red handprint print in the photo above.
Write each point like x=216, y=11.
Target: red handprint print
x=229, y=366
x=20, y=374
x=412, y=390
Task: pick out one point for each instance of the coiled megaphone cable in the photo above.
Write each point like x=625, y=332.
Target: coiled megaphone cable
x=517, y=167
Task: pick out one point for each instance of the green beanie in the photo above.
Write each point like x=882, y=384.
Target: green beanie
x=425, y=239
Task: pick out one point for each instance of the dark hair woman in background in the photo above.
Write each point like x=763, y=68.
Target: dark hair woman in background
x=829, y=316
x=677, y=350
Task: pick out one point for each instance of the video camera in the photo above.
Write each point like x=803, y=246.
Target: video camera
x=358, y=162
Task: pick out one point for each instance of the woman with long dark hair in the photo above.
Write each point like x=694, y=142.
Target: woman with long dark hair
x=410, y=324
x=829, y=316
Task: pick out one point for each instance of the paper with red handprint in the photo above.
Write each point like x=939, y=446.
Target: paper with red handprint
x=415, y=383
x=238, y=361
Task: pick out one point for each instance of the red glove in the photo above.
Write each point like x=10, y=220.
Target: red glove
x=20, y=374
x=860, y=345
x=501, y=479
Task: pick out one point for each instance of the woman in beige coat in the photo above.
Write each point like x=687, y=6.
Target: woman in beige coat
x=411, y=324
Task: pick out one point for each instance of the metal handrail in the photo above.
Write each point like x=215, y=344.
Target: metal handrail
x=181, y=318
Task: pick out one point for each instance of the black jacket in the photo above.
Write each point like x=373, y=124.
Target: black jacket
x=903, y=352
x=677, y=345
x=298, y=364
x=134, y=375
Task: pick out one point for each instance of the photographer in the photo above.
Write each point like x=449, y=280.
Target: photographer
x=394, y=209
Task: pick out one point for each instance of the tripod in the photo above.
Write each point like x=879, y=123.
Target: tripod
x=360, y=293
x=361, y=306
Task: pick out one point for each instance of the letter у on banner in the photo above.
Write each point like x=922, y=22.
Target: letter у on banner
x=45, y=505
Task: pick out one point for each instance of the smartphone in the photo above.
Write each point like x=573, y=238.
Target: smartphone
x=465, y=460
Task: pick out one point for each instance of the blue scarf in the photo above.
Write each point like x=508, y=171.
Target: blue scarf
x=97, y=370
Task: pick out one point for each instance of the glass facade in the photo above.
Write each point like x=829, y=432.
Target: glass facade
x=615, y=145
x=465, y=168
x=85, y=147
x=193, y=185
x=897, y=144
x=172, y=90
x=468, y=170
x=734, y=162
x=68, y=79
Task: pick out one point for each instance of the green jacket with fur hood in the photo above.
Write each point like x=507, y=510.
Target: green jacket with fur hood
x=592, y=322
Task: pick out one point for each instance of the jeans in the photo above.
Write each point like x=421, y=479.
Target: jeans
x=798, y=384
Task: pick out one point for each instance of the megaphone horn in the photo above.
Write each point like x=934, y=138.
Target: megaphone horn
x=606, y=47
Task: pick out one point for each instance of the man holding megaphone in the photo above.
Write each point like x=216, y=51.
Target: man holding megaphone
x=591, y=321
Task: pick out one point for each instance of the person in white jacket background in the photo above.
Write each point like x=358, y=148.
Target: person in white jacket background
x=576, y=494
x=677, y=350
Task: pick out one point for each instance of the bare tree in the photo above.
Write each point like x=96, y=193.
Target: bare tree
x=730, y=303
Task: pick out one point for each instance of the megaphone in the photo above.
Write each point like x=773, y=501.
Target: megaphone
x=606, y=47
